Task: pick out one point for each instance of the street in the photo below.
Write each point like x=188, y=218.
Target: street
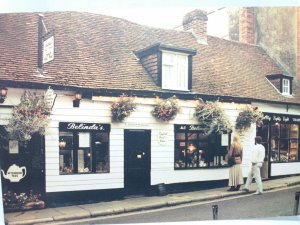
x=270, y=204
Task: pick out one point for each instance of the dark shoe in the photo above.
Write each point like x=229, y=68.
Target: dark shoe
x=232, y=188
x=237, y=188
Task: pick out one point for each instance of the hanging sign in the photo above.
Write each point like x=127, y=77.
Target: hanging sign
x=14, y=173
x=50, y=97
x=48, y=50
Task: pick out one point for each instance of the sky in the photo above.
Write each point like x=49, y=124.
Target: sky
x=166, y=14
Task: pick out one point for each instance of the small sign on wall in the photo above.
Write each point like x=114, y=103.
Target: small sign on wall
x=84, y=140
x=14, y=173
x=224, y=140
x=162, y=137
x=13, y=147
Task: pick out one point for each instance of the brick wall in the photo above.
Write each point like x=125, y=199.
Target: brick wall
x=246, y=25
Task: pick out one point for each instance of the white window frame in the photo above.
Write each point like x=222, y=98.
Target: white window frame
x=286, y=86
x=175, y=71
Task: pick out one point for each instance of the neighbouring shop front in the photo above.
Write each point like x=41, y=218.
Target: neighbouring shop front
x=280, y=135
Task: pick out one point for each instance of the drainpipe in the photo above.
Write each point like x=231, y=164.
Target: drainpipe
x=1, y=202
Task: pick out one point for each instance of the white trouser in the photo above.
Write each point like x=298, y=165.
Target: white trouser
x=255, y=173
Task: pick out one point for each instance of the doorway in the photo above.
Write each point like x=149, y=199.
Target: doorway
x=25, y=159
x=137, y=145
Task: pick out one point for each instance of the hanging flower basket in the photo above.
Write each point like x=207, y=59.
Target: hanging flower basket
x=211, y=117
x=166, y=110
x=247, y=116
x=122, y=108
x=31, y=116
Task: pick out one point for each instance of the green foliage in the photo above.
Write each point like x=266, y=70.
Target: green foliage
x=122, y=108
x=166, y=110
x=29, y=117
x=248, y=116
x=212, y=117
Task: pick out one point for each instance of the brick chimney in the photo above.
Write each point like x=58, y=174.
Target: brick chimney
x=246, y=25
x=196, y=22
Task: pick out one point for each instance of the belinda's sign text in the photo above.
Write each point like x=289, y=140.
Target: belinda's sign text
x=85, y=126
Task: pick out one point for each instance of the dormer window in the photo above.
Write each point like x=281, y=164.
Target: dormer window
x=170, y=67
x=174, y=71
x=285, y=86
x=282, y=82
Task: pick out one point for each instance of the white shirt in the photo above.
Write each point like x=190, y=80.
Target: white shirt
x=258, y=153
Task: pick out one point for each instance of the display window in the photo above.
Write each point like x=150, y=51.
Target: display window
x=83, y=148
x=194, y=149
x=281, y=138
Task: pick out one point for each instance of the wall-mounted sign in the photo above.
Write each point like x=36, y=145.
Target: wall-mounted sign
x=48, y=49
x=162, y=137
x=85, y=127
x=281, y=117
x=224, y=140
x=13, y=147
x=187, y=128
x=14, y=173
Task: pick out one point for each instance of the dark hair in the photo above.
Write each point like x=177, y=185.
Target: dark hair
x=258, y=140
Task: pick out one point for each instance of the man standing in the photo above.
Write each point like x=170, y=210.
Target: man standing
x=258, y=155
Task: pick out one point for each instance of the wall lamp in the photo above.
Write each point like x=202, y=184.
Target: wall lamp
x=3, y=94
x=76, y=101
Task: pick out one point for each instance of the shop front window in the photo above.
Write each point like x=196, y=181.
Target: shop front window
x=194, y=149
x=83, y=148
x=281, y=136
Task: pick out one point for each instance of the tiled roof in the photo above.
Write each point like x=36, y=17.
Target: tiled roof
x=96, y=51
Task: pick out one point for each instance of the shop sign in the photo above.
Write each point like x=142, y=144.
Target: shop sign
x=50, y=97
x=285, y=119
x=14, y=173
x=48, y=50
x=296, y=119
x=84, y=127
x=188, y=128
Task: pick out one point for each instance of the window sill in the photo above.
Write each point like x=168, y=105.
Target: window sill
x=195, y=168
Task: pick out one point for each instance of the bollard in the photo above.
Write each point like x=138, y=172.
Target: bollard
x=215, y=212
x=296, y=206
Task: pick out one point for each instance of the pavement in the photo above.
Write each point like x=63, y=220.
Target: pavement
x=59, y=214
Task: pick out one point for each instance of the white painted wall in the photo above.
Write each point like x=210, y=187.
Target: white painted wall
x=162, y=155
x=280, y=169
x=278, y=108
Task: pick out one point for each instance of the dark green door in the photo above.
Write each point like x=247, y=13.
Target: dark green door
x=23, y=167
x=137, y=144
